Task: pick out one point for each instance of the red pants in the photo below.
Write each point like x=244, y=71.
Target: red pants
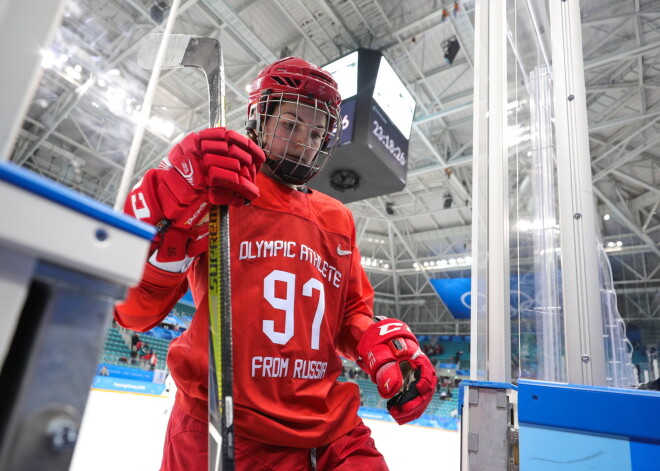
x=186, y=449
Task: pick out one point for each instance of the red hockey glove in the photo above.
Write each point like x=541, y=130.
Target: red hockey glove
x=221, y=161
x=182, y=234
x=385, y=350
x=217, y=166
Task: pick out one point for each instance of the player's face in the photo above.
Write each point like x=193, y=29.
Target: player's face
x=294, y=131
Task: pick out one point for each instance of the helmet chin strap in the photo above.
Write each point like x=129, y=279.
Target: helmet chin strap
x=269, y=172
x=292, y=175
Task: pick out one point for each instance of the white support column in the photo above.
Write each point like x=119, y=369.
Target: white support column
x=26, y=27
x=490, y=357
x=585, y=351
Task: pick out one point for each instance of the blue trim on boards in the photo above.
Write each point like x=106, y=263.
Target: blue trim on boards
x=644, y=456
x=612, y=411
x=59, y=194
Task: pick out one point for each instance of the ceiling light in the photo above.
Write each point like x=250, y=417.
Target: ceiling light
x=47, y=59
x=606, y=217
x=161, y=126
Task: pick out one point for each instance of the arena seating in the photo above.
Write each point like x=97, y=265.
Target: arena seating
x=116, y=350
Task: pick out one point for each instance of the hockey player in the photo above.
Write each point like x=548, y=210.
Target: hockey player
x=300, y=297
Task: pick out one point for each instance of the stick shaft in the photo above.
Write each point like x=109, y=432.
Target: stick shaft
x=221, y=407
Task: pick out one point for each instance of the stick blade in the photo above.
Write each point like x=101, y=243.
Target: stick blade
x=174, y=55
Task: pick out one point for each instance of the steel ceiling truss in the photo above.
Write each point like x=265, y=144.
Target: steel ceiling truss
x=72, y=142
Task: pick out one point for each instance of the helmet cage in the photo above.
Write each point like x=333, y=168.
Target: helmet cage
x=287, y=167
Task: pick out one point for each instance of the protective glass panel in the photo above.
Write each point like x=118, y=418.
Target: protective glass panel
x=536, y=303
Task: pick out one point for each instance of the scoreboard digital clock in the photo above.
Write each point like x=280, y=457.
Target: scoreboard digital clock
x=377, y=112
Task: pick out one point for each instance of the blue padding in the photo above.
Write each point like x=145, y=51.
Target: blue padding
x=118, y=371
x=612, y=411
x=50, y=190
x=644, y=455
x=127, y=385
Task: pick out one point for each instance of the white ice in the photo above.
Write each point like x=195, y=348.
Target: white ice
x=124, y=431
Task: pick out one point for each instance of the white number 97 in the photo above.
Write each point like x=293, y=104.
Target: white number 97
x=287, y=303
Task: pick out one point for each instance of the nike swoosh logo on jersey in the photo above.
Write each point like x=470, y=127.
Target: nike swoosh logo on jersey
x=341, y=252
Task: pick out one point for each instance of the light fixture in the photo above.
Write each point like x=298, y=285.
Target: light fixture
x=448, y=201
x=450, y=48
x=158, y=9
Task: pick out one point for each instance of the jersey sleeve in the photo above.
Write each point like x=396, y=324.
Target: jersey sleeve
x=358, y=310
x=148, y=303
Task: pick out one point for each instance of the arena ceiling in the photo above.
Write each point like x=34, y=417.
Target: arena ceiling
x=81, y=122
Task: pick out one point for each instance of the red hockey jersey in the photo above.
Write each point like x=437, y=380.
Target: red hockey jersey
x=299, y=297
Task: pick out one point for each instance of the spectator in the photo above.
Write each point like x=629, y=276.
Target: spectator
x=104, y=371
x=153, y=361
x=135, y=347
x=144, y=354
x=457, y=359
x=651, y=385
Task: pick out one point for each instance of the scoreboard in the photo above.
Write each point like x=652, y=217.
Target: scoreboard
x=376, y=118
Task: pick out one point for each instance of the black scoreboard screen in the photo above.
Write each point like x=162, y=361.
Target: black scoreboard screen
x=376, y=118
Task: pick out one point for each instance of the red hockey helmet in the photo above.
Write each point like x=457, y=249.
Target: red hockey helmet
x=295, y=81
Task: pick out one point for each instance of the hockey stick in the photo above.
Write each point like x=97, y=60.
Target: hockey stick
x=206, y=54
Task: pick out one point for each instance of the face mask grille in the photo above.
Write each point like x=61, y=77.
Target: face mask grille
x=295, y=134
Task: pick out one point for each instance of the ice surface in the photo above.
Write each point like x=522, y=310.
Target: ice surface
x=125, y=431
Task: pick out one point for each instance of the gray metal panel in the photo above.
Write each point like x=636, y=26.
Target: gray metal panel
x=45, y=380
